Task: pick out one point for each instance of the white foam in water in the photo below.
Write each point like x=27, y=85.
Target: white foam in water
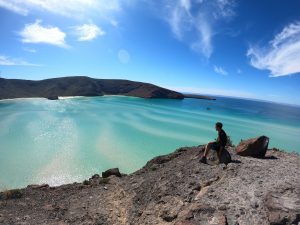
x=109, y=149
x=61, y=168
x=69, y=140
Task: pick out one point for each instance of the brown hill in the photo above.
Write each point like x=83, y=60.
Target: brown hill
x=81, y=86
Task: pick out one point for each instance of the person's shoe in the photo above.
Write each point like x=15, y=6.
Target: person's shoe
x=203, y=160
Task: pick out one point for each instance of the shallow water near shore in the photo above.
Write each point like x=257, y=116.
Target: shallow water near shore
x=69, y=140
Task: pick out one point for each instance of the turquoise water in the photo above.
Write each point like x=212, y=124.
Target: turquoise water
x=58, y=142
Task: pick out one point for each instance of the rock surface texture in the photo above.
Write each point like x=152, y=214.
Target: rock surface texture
x=171, y=189
x=254, y=147
x=81, y=86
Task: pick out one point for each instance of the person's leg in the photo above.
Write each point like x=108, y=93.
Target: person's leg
x=219, y=152
x=207, y=148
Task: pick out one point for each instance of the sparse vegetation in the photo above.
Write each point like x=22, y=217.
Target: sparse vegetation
x=153, y=168
x=86, y=182
x=229, y=142
x=11, y=194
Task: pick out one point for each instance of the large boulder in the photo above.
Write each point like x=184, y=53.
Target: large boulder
x=110, y=172
x=254, y=147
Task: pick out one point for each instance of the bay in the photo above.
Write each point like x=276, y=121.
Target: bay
x=69, y=140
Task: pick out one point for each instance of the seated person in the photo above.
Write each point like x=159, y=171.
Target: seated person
x=217, y=145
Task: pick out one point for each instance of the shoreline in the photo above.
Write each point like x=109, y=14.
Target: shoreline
x=78, y=181
x=105, y=95
x=180, y=187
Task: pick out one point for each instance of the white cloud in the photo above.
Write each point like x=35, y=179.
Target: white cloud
x=186, y=4
x=12, y=6
x=123, y=56
x=114, y=23
x=8, y=61
x=88, y=32
x=69, y=8
x=239, y=71
x=204, y=43
x=36, y=33
x=194, y=21
x=220, y=70
x=282, y=55
x=31, y=50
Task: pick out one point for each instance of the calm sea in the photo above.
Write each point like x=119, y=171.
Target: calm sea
x=69, y=140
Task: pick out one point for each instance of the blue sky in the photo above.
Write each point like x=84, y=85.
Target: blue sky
x=248, y=48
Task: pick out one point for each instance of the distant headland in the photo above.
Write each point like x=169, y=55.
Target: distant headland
x=199, y=96
x=85, y=86
x=81, y=86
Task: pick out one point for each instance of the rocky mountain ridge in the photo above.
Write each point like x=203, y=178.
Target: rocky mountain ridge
x=170, y=189
x=81, y=86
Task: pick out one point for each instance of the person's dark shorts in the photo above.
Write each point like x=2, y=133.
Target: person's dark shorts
x=215, y=146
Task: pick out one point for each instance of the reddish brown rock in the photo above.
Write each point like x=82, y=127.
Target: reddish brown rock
x=254, y=147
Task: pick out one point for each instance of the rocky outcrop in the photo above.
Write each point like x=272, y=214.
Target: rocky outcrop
x=171, y=189
x=283, y=206
x=52, y=98
x=111, y=172
x=255, y=147
x=81, y=86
